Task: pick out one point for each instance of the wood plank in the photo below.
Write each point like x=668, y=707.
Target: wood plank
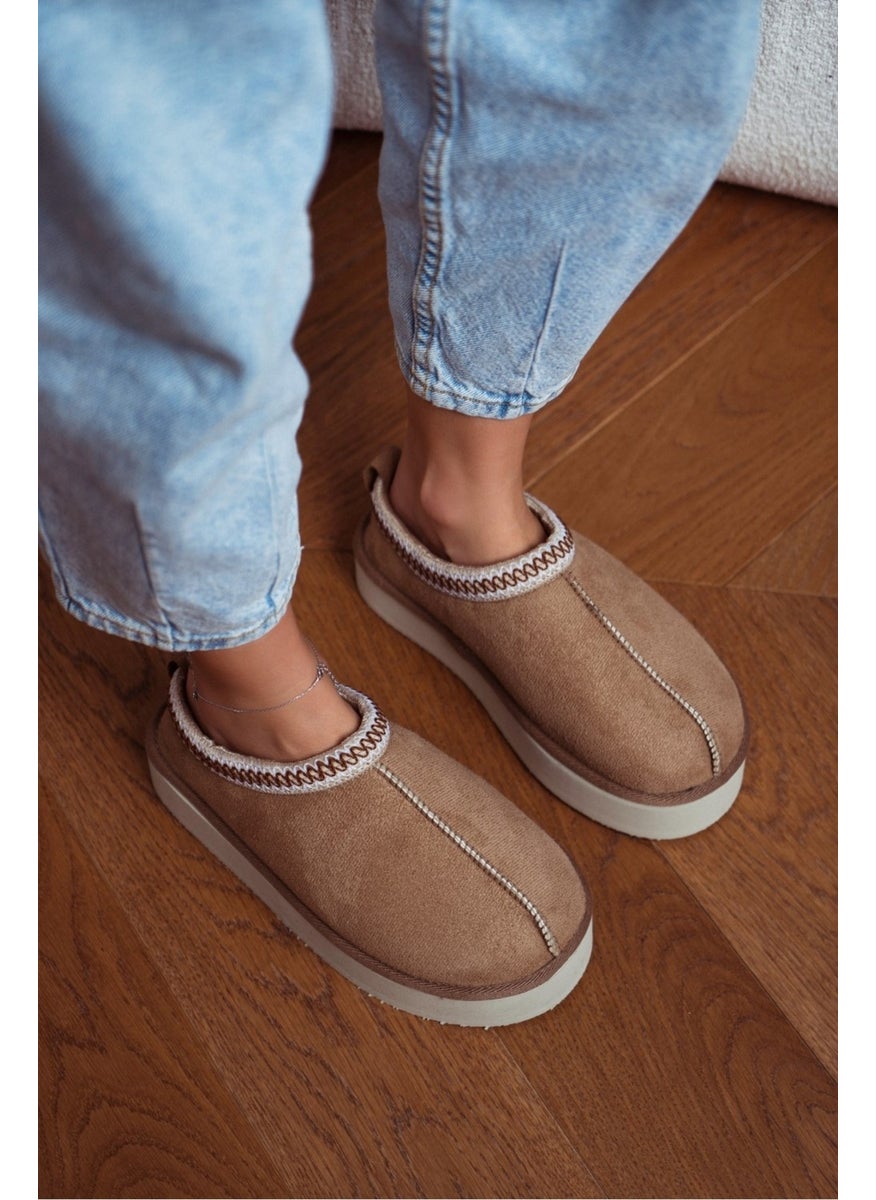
x=348, y=1097
x=711, y=464
x=738, y=243
x=346, y=226
x=768, y=873
x=801, y=559
x=129, y=1103
x=675, y=1070
x=671, y=1068
x=350, y=151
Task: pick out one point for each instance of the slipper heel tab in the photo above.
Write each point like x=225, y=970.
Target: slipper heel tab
x=382, y=466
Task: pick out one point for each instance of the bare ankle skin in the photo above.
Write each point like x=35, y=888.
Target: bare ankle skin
x=262, y=675
x=459, y=485
x=459, y=489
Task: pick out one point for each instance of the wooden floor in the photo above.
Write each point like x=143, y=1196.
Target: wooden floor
x=189, y=1047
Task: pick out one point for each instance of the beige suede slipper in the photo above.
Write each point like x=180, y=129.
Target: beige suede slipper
x=608, y=695
x=403, y=870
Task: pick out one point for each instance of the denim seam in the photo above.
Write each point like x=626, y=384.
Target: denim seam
x=268, y=466
x=549, y=308
x=432, y=170
x=142, y=540
x=421, y=366
x=464, y=398
x=62, y=591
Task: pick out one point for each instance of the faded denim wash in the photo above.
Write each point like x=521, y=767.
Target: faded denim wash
x=538, y=157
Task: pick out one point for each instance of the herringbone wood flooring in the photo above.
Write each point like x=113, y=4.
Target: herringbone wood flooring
x=189, y=1047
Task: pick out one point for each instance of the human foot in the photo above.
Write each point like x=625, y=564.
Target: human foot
x=458, y=485
x=608, y=695
x=467, y=524
x=402, y=869
x=273, y=698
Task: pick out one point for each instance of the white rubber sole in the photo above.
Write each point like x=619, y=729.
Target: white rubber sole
x=483, y=1013
x=616, y=812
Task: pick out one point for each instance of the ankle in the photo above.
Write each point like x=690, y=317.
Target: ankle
x=463, y=516
x=269, y=698
x=459, y=485
x=309, y=724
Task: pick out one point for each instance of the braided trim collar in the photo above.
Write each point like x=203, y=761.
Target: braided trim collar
x=361, y=750
x=498, y=581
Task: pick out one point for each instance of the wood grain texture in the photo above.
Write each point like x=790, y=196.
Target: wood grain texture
x=718, y=458
x=347, y=1098
x=768, y=874
x=672, y=1068
x=687, y=1080
x=129, y=1103
x=803, y=558
x=350, y=152
x=189, y=1046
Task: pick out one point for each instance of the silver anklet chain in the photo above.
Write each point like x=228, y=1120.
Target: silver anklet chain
x=322, y=669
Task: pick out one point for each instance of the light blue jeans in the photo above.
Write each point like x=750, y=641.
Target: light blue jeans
x=538, y=157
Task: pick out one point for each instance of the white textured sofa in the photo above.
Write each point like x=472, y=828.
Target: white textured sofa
x=788, y=139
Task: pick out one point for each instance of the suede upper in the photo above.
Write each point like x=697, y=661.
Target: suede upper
x=570, y=665
x=381, y=874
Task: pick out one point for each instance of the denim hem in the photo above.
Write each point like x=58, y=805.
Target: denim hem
x=473, y=401
x=133, y=631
